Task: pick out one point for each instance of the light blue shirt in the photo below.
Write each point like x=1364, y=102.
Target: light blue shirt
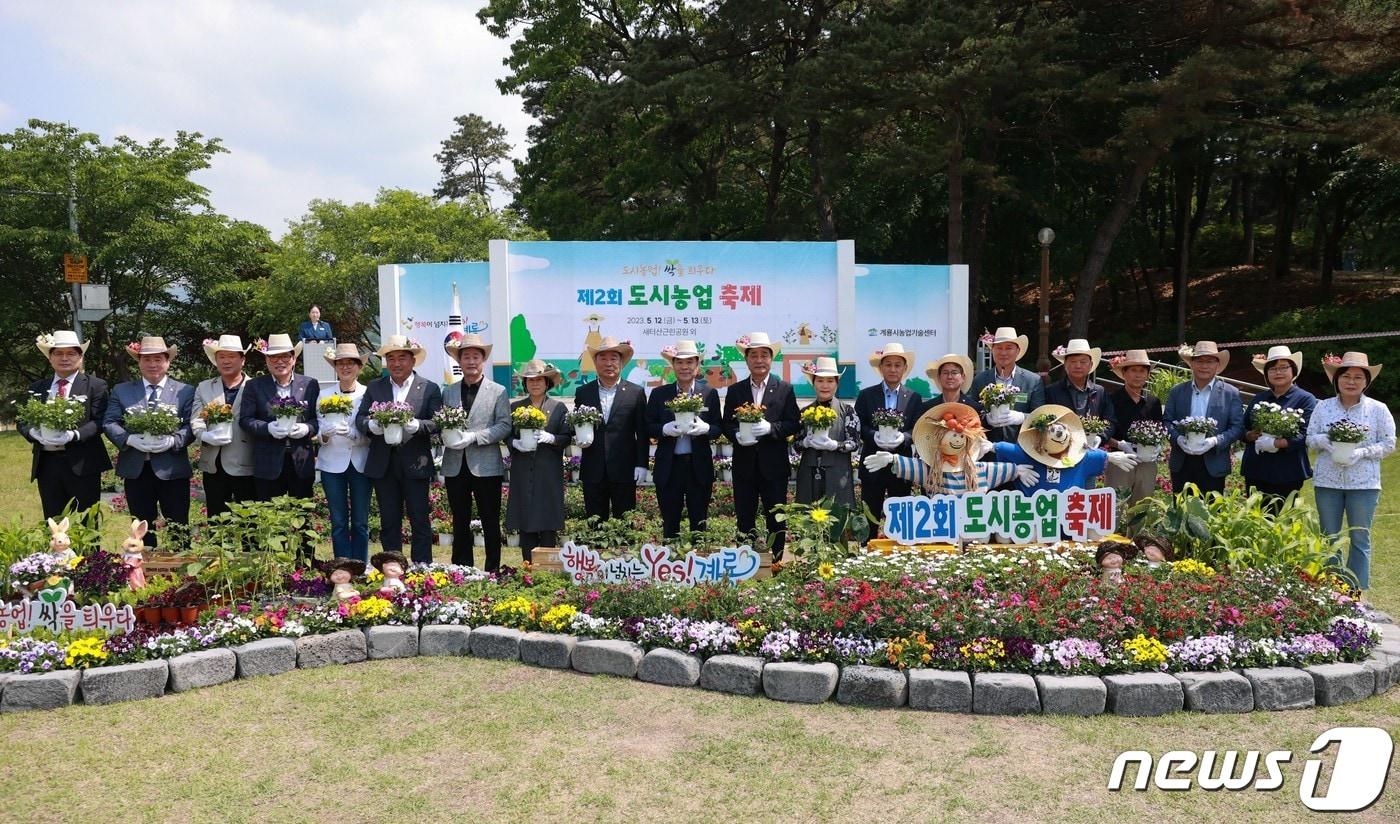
x=606, y=395
x=891, y=397
x=1200, y=399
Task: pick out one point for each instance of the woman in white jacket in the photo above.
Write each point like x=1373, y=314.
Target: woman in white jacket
x=341, y=459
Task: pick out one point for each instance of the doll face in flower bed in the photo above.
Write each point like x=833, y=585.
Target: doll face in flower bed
x=1112, y=561
x=825, y=388
x=340, y=576
x=1153, y=553
x=392, y=569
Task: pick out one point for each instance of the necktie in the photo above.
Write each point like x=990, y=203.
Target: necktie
x=151, y=396
x=63, y=387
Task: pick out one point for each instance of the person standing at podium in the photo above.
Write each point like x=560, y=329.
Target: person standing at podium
x=315, y=329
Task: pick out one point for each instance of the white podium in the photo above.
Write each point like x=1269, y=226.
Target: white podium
x=313, y=361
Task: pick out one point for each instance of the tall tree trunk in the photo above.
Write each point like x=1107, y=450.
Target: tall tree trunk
x=1181, y=227
x=821, y=198
x=773, y=185
x=1104, y=236
x=955, y=192
x=1247, y=213
x=981, y=208
x=1285, y=216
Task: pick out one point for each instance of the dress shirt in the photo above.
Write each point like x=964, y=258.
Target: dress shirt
x=1200, y=399
x=606, y=395
x=401, y=392
x=891, y=397
x=68, y=387
x=757, y=391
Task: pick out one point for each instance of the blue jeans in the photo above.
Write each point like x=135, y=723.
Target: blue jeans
x=1359, y=506
x=347, y=493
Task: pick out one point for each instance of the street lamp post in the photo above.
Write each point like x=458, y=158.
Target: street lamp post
x=1046, y=237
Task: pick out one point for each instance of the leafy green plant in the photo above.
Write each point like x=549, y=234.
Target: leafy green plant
x=817, y=533
x=242, y=553
x=1161, y=380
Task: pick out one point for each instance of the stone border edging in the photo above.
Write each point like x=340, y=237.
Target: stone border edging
x=1141, y=694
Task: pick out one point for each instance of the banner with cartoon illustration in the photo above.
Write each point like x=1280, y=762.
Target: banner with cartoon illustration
x=431, y=302
x=922, y=307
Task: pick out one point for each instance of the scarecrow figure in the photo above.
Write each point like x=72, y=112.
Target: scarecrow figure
x=948, y=438
x=1052, y=443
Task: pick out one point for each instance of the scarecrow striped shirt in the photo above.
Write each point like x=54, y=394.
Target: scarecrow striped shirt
x=989, y=475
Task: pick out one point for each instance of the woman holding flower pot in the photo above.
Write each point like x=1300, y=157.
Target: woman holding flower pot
x=830, y=433
x=341, y=458
x=226, y=451
x=1276, y=427
x=535, y=507
x=1352, y=434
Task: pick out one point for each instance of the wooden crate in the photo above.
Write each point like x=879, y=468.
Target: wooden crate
x=163, y=563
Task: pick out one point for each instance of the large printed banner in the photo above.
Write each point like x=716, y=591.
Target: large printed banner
x=922, y=307
x=429, y=302
x=1080, y=514
x=566, y=296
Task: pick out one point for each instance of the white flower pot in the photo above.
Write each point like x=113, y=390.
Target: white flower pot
x=393, y=434
x=222, y=430
x=1342, y=452
x=478, y=539
x=453, y=435
x=584, y=432
x=530, y=438
x=746, y=429
x=513, y=539
x=49, y=432
x=996, y=410
x=685, y=420
x=1196, y=440
x=726, y=450
x=726, y=475
x=331, y=420
x=444, y=539
x=888, y=432
x=1093, y=441
x=1147, y=453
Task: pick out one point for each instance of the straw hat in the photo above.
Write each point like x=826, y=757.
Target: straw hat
x=757, y=340
x=151, y=345
x=62, y=339
x=956, y=416
x=539, y=369
x=612, y=344
x=1261, y=362
x=1030, y=436
x=225, y=343
x=893, y=349
x=680, y=349
x=1350, y=359
x=454, y=346
x=402, y=343
x=279, y=344
x=1205, y=348
x=962, y=361
x=344, y=351
x=822, y=367
x=1080, y=346
x=1132, y=357
x=1007, y=334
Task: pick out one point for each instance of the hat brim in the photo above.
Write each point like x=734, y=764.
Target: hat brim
x=1118, y=370
x=823, y=374
x=1374, y=370
x=961, y=360
x=331, y=357
x=771, y=346
x=169, y=352
x=622, y=349
x=670, y=357
x=455, y=352
x=1295, y=357
x=47, y=348
x=295, y=351
x=1095, y=354
x=1078, y=444
x=1022, y=342
x=925, y=434
x=553, y=375
x=211, y=352
x=1223, y=356
x=419, y=355
x=908, y=358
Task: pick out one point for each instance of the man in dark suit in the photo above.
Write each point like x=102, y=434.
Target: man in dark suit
x=1008, y=348
x=401, y=472
x=156, y=468
x=313, y=328
x=615, y=462
x=69, y=465
x=283, y=460
x=761, y=465
x=1205, y=395
x=894, y=364
x=1078, y=390
x=685, y=472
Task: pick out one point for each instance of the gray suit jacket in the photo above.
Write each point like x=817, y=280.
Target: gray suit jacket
x=1227, y=409
x=490, y=413
x=1026, y=382
x=238, y=456
x=169, y=465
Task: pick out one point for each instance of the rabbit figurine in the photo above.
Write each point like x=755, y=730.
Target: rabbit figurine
x=133, y=549
x=59, y=544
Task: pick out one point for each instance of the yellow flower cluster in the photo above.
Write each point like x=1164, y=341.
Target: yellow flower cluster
x=85, y=652
x=559, y=617
x=986, y=652
x=909, y=651
x=528, y=417
x=439, y=579
x=372, y=608
x=1146, y=650
x=374, y=576
x=1191, y=566
x=825, y=571
x=817, y=416
x=820, y=516
x=336, y=404
x=513, y=612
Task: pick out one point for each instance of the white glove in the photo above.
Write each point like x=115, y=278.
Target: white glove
x=1264, y=444
x=206, y=436
x=892, y=442
x=1008, y=418
x=985, y=447
x=59, y=440
x=1122, y=461
x=762, y=428
x=474, y=437
x=876, y=461
x=825, y=443
x=744, y=440
x=520, y=446
x=157, y=443
x=698, y=428
x=141, y=443
x=1211, y=443
x=39, y=436
x=411, y=428
x=671, y=429
x=454, y=439
x=1027, y=475
x=299, y=431
x=639, y=474
x=374, y=427
x=544, y=437
x=343, y=429
x=1206, y=447
x=198, y=425
x=277, y=429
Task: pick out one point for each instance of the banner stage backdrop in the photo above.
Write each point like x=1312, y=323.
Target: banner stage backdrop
x=552, y=299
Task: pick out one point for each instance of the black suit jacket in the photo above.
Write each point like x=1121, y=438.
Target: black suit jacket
x=621, y=444
x=909, y=403
x=702, y=465
x=415, y=454
x=87, y=455
x=1100, y=406
x=256, y=414
x=768, y=458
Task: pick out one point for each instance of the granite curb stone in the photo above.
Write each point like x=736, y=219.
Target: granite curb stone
x=344, y=647
x=444, y=639
x=1071, y=694
x=1004, y=693
x=734, y=674
x=1216, y=692
x=872, y=687
x=1144, y=694
x=203, y=668
x=1337, y=684
x=1280, y=688
x=800, y=683
x=670, y=667
x=266, y=656
x=391, y=642
x=40, y=690
x=498, y=643
x=620, y=658
x=125, y=682
x=940, y=690
x=547, y=649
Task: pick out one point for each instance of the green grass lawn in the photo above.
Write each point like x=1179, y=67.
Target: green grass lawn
x=443, y=739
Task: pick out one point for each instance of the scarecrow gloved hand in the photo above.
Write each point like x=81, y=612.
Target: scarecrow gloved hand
x=761, y=428
x=671, y=429
x=543, y=436
x=985, y=447
x=1027, y=475
x=639, y=474
x=374, y=427
x=698, y=428
x=1123, y=461
x=412, y=426
x=520, y=446
x=876, y=461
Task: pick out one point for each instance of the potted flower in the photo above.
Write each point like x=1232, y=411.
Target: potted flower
x=583, y=419
x=723, y=448
x=1147, y=438
x=391, y=416
x=686, y=407
x=997, y=398
x=54, y=416
x=725, y=467
x=286, y=410
x=1345, y=435
x=528, y=420
x=1196, y=428
x=31, y=573
x=335, y=409
x=451, y=422
x=151, y=419
x=748, y=414
x=818, y=418
x=1094, y=430
x=888, y=421
x=478, y=537
x=219, y=417
x=1273, y=422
